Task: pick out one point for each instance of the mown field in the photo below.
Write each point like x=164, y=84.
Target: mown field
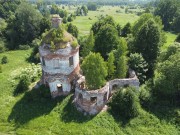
x=84, y=23
x=33, y=113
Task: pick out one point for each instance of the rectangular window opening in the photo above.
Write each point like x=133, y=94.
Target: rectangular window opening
x=43, y=61
x=71, y=62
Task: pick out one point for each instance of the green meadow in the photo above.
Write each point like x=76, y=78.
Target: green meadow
x=84, y=23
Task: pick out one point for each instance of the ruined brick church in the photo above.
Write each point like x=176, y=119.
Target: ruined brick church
x=61, y=73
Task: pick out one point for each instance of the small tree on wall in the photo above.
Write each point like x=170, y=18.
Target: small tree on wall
x=95, y=70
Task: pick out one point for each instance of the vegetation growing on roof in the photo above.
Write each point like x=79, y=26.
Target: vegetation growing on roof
x=58, y=39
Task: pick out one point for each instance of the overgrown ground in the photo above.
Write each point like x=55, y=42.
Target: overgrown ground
x=35, y=113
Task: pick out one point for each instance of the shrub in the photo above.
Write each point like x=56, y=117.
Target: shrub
x=24, y=47
x=145, y=95
x=64, y=20
x=166, y=80
x=74, y=44
x=70, y=19
x=27, y=76
x=0, y=69
x=33, y=72
x=73, y=30
x=35, y=55
x=24, y=83
x=2, y=45
x=178, y=38
x=4, y=60
x=125, y=103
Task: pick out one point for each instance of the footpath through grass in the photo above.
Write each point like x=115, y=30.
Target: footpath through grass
x=35, y=113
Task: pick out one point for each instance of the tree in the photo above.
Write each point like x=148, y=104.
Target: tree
x=126, y=30
x=110, y=65
x=42, y=7
x=121, y=48
x=73, y=30
x=106, y=40
x=95, y=71
x=147, y=42
x=167, y=9
x=45, y=24
x=25, y=26
x=3, y=26
x=101, y=22
x=171, y=50
x=144, y=19
x=64, y=20
x=70, y=18
x=176, y=24
x=125, y=103
x=92, y=6
x=78, y=11
x=8, y=8
x=166, y=80
x=54, y=9
x=118, y=27
x=121, y=58
x=122, y=67
x=178, y=38
x=85, y=10
x=89, y=45
x=126, y=10
x=24, y=83
x=139, y=65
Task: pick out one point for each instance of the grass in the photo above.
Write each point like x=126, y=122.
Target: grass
x=84, y=23
x=170, y=39
x=34, y=112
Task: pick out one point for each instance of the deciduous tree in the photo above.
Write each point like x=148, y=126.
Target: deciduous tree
x=95, y=71
x=147, y=42
x=110, y=65
x=88, y=45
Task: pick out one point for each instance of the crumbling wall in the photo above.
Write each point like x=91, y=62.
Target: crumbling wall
x=83, y=97
x=123, y=83
x=92, y=101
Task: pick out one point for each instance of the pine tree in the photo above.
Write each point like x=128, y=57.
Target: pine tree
x=139, y=65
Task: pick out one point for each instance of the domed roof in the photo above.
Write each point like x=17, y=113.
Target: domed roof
x=59, y=39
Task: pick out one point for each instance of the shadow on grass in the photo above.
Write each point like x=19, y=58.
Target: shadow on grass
x=19, y=89
x=123, y=121
x=71, y=114
x=33, y=104
x=164, y=110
